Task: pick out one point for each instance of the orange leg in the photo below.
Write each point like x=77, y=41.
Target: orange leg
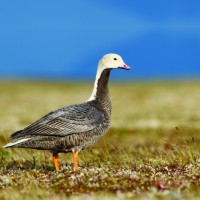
x=55, y=160
x=75, y=158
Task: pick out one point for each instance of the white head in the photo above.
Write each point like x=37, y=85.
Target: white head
x=112, y=61
x=108, y=62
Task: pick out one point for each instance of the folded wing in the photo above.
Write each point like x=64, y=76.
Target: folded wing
x=65, y=121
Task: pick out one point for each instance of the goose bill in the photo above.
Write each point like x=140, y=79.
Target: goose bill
x=125, y=67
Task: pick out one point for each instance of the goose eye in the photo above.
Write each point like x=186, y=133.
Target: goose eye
x=115, y=58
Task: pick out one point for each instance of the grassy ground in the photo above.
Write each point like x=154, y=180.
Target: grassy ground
x=151, y=151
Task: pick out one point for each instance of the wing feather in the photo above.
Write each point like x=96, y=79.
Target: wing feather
x=65, y=121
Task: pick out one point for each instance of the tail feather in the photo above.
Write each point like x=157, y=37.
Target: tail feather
x=16, y=138
x=12, y=144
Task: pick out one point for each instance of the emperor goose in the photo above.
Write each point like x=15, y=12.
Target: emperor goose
x=73, y=128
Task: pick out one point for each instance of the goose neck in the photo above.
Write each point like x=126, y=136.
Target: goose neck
x=100, y=90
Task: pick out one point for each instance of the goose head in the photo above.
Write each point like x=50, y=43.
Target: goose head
x=112, y=61
x=108, y=62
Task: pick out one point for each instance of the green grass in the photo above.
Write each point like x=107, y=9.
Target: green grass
x=152, y=150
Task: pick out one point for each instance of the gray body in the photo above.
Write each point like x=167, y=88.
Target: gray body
x=71, y=128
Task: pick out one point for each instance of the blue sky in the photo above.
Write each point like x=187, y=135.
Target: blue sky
x=65, y=38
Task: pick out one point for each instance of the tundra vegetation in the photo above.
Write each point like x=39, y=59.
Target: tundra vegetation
x=152, y=150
